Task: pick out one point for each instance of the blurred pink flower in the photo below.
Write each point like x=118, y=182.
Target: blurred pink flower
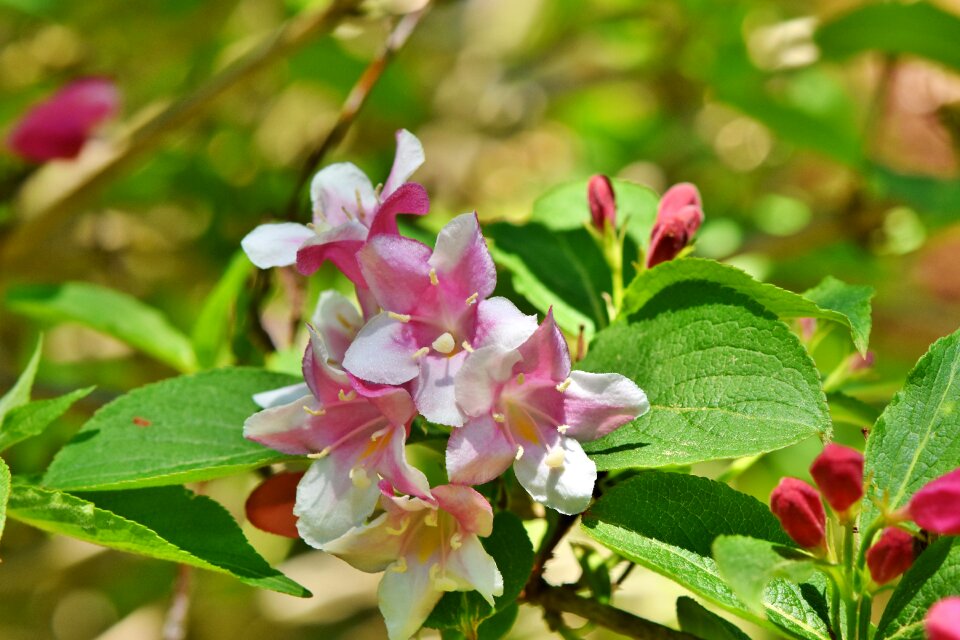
x=679, y=216
x=943, y=620
x=603, y=204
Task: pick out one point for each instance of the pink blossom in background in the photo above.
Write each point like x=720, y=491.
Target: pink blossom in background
x=936, y=507
x=603, y=203
x=943, y=620
x=679, y=216
x=58, y=127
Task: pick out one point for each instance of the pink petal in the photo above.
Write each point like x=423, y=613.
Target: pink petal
x=471, y=509
x=434, y=391
x=409, y=158
x=479, y=380
x=339, y=245
x=383, y=352
x=667, y=240
x=499, y=322
x=462, y=260
x=678, y=197
x=410, y=198
x=602, y=201
x=285, y=428
x=397, y=271
x=478, y=452
x=370, y=547
x=568, y=488
x=325, y=382
x=545, y=354
x=471, y=565
x=394, y=468
x=337, y=322
x=597, y=403
x=275, y=244
x=329, y=503
x=342, y=193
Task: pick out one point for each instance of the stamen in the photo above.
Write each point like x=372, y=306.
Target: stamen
x=310, y=225
x=376, y=435
x=467, y=346
x=400, y=566
x=402, y=317
x=404, y=523
x=456, y=541
x=473, y=298
x=444, y=343
x=564, y=385
x=360, y=211
x=419, y=353
x=521, y=378
x=315, y=412
x=519, y=452
x=554, y=459
x=563, y=428
x=344, y=322
x=433, y=277
x=347, y=397
x=359, y=478
x=431, y=518
x=321, y=455
x=499, y=417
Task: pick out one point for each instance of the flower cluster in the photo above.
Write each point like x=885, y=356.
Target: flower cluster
x=429, y=340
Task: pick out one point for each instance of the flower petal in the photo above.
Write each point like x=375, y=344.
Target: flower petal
x=397, y=271
x=480, y=377
x=678, y=197
x=394, y=468
x=325, y=381
x=285, y=427
x=434, y=391
x=545, y=354
x=473, y=566
x=472, y=511
x=339, y=245
x=275, y=244
x=478, y=452
x=337, y=321
x=462, y=260
x=369, y=547
x=329, y=502
x=406, y=599
x=597, y=403
x=409, y=158
x=500, y=322
x=410, y=198
x=382, y=352
x=567, y=488
x=283, y=395
x=342, y=193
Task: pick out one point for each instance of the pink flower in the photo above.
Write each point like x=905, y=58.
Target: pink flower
x=354, y=431
x=936, y=507
x=603, y=204
x=59, y=126
x=679, y=216
x=526, y=408
x=838, y=471
x=346, y=210
x=436, y=313
x=798, y=508
x=890, y=556
x=943, y=620
x=425, y=549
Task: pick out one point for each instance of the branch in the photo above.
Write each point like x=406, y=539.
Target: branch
x=565, y=599
x=354, y=103
x=50, y=216
x=175, y=624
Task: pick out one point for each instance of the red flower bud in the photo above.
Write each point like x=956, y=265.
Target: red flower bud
x=59, y=126
x=603, y=203
x=943, y=620
x=798, y=508
x=679, y=216
x=891, y=555
x=936, y=507
x=838, y=472
x=270, y=506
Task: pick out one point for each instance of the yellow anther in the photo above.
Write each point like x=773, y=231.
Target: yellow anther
x=467, y=346
x=359, y=478
x=401, y=317
x=315, y=412
x=456, y=541
x=320, y=455
x=404, y=523
x=400, y=566
x=499, y=417
x=521, y=378
x=554, y=459
x=431, y=518
x=519, y=452
x=346, y=397
x=444, y=343
x=419, y=353
x=433, y=277
x=563, y=428
x=473, y=298
x=564, y=385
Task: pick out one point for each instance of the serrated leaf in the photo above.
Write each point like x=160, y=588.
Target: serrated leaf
x=667, y=522
x=699, y=621
x=31, y=419
x=19, y=393
x=917, y=28
x=748, y=564
x=724, y=379
x=167, y=523
x=935, y=575
x=111, y=312
x=4, y=493
x=917, y=437
x=210, y=332
x=846, y=304
x=511, y=549
x=183, y=429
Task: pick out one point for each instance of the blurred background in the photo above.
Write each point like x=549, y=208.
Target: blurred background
x=823, y=142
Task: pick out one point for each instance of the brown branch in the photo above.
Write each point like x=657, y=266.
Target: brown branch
x=49, y=217
x=354, y=103
x=175, y=624
x=565, y=599
x=550, y=541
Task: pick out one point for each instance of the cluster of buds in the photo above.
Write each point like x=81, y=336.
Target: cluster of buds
x=428, y=339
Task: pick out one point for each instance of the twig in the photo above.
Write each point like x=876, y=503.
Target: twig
x=354, y=103
x=566, y=599
x=175, y=624
x=293, y=35
x=550, y=541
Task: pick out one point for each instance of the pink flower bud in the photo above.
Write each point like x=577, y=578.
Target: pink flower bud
x=891, y=555
x=798, y=508
x=936, y=507
x=59, y=126
x=861, y=363
x=270, y=506
x=679, y=216
x=603, y=203
x=943, y=620
x=838, y=472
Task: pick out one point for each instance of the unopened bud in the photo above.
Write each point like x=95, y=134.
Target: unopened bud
x=798, y=508
x=603, y=204
x=270, y=506
x=890, y=556
x=936, y=507
x=838, y=472
x=943, y=620
x=679, y=216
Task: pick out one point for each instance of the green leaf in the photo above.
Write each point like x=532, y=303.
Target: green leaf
x=31, y=419
x=935, y=575
x=4, y=493
x=111, y=312
x=699, y=621
x=510, y=548
x=667, y=522
x=917, y=28
x=848, y=305
x=168, y=523
x=210, y=333
x=850, y=410
x=178, y=430
x=748, y=564
x=917, y=438
x=19, y=394
x=724, y=377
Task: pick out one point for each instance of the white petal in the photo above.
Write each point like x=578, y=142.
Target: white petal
x=597, y=403
x=329, y=503
x=406, y=599
x=408, y=159
x=478, y=452
x=275, y=244
x=370, y=547
x=338, y=192
x=382, y=352
x=480, y=377
x=283, y=395
x=500, y=323
x=434, y=389
x=567, y=488
x=337, y=321
x=476, y=568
